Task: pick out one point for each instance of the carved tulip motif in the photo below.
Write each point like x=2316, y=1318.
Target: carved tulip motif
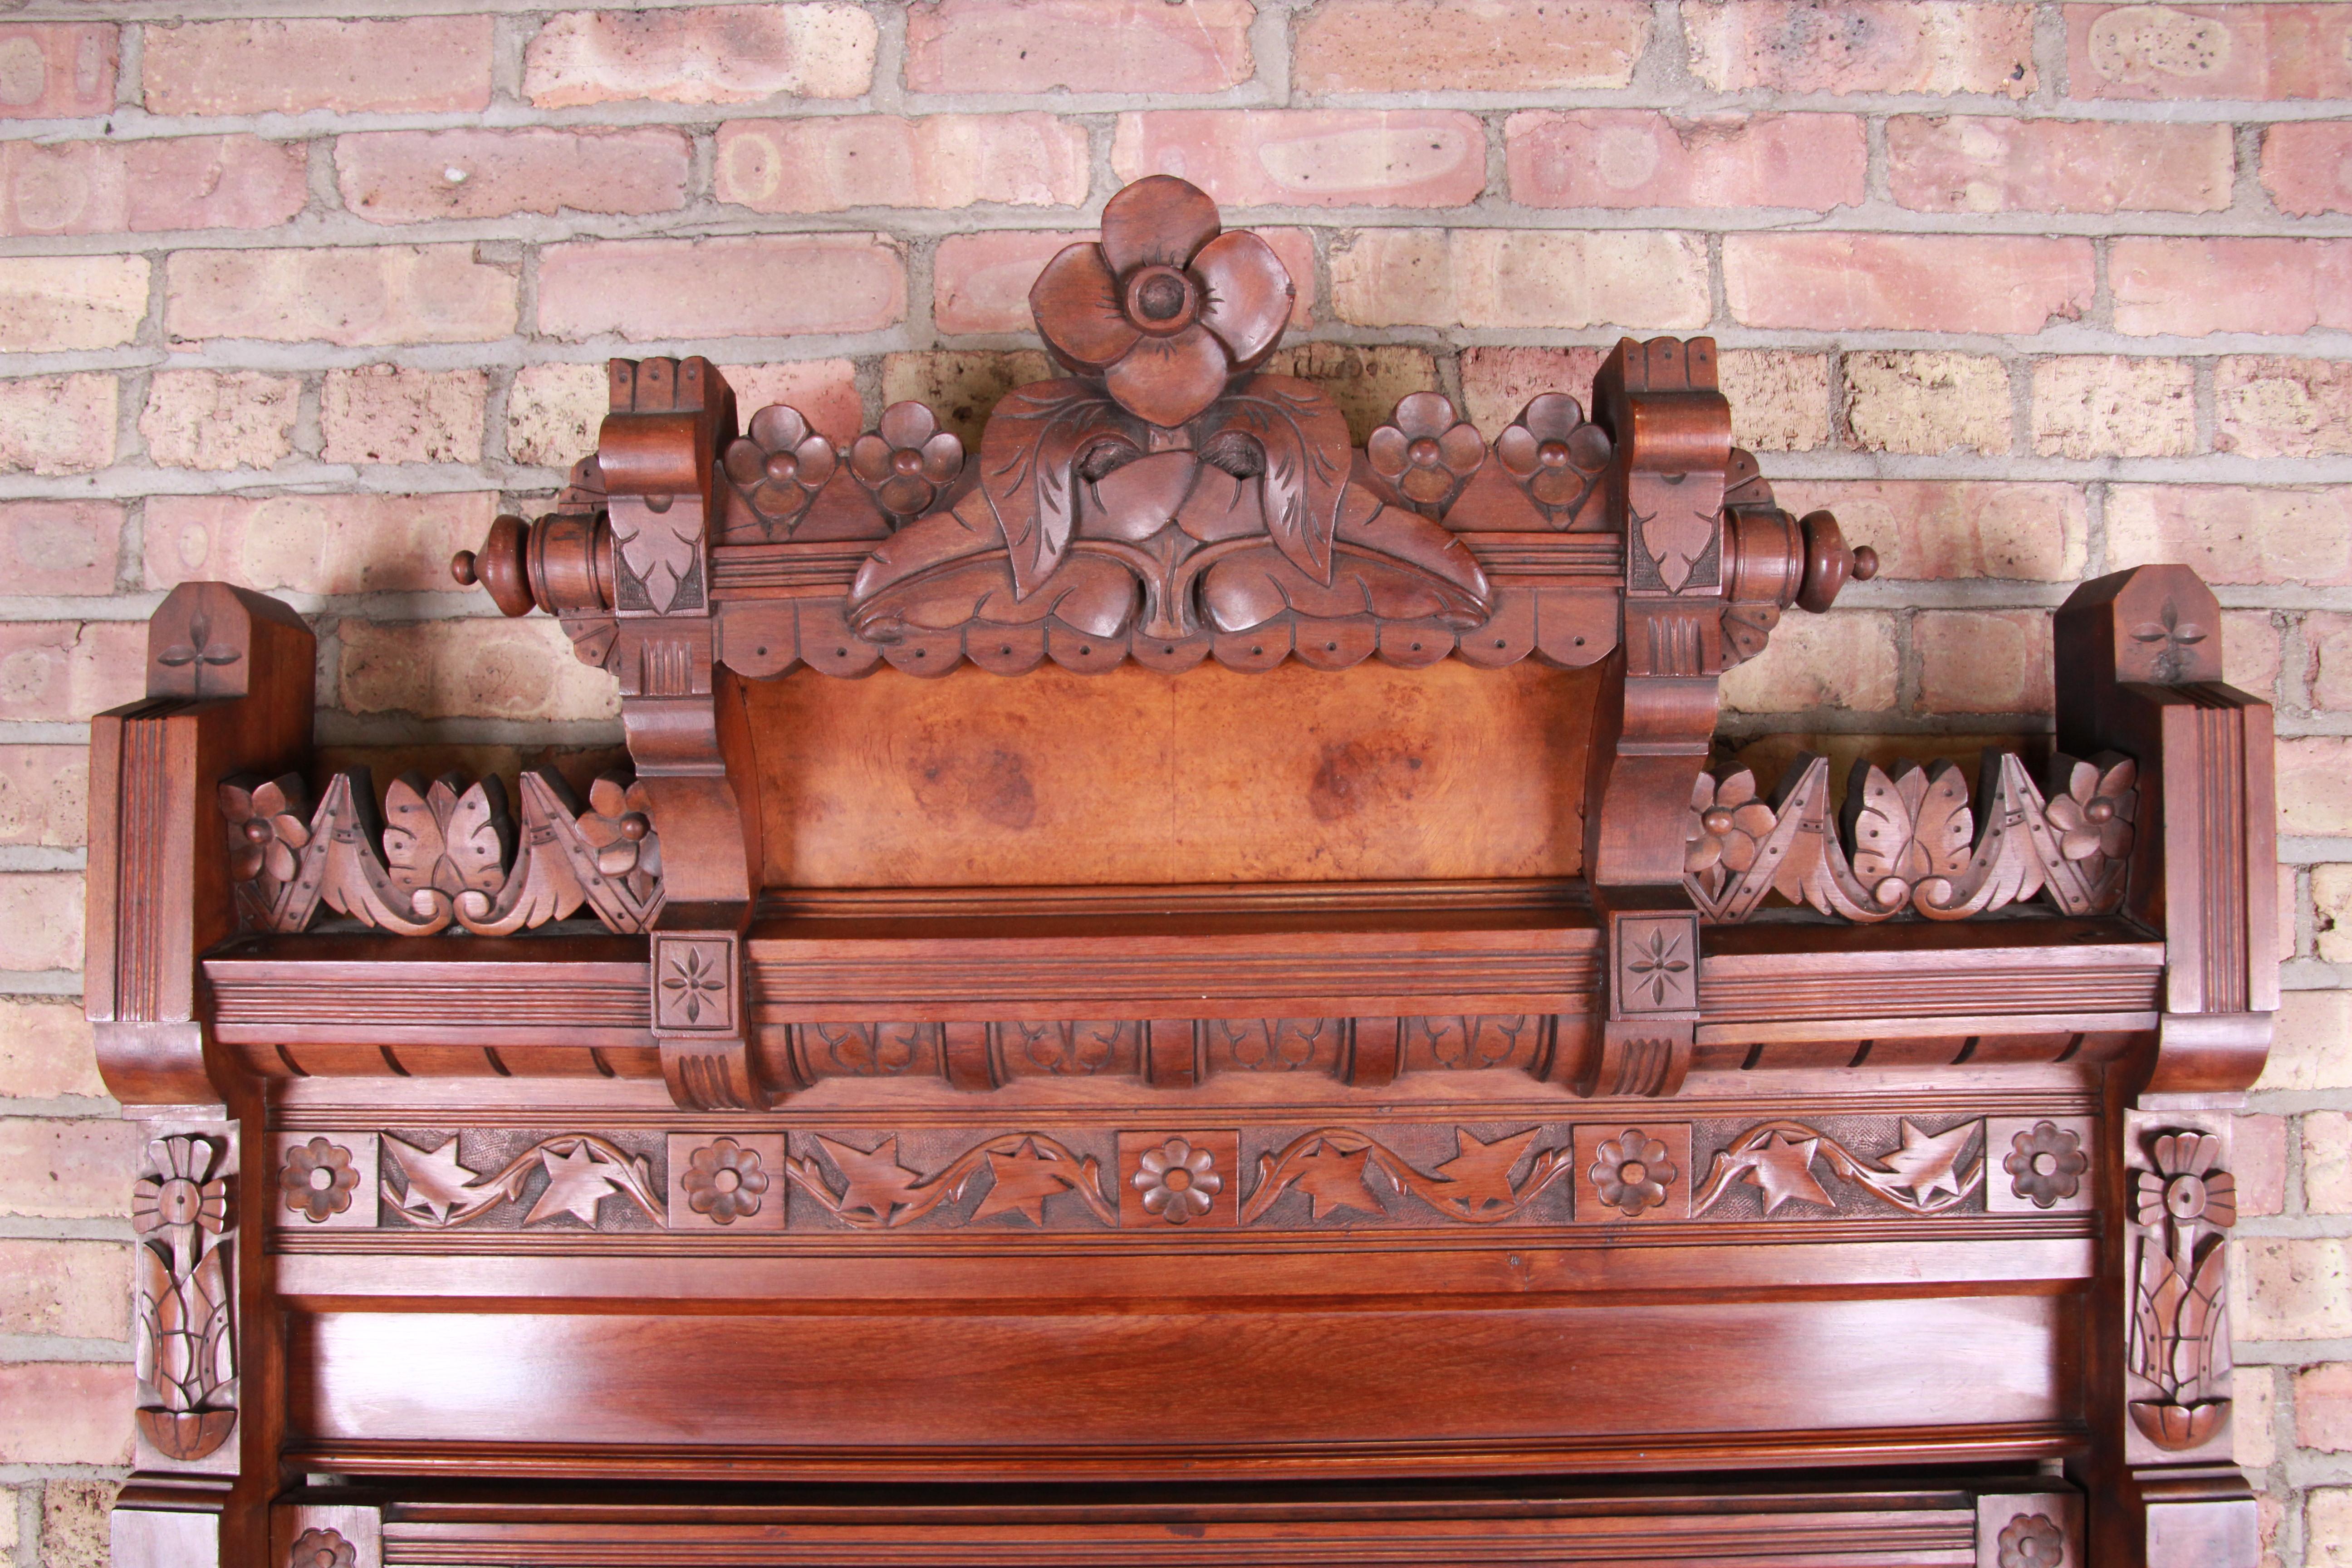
x=2179, y=1334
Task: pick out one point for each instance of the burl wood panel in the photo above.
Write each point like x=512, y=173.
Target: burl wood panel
x=1137, y=777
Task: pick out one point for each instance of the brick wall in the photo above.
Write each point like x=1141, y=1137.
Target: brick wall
x=2025, y=292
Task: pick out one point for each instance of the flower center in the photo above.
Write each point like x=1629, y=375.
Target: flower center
x=781, y=466
x=1423, y=453
x=1716, y=820
x=2045, y=1165
x=907, y=462
x=2100, y=810
x=2184, y=1198
x=1633, y=1172
x=321, y=1178
x=178, y=1201
x=725, y=1181
x=1160, y=299
x=1176, y=1179
x=1552, y=454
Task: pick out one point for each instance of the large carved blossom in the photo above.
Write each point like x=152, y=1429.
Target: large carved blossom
x=1731, y=827
x=2188, y=1184
x=180, y=1192
x=2093, y=809
x=1166, y=310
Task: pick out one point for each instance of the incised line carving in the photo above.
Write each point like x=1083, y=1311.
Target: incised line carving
x=2183, y=1204
x=184, y=1341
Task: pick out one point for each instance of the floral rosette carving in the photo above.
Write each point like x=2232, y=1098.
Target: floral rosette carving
x=1729, y=827
x=321, y=1549
x=1631, y=1173
x=618, y=828
x=2180, y=1332
x=1555, y=455
x=2046, y=1163
x=1426, y=453
x=1179, y=1182
x=317, y=1179
x=723, y=1180
x=908, y=462
x=2091, y=808
x=778, y=466
x=2032, y=1541
x=1167, y=309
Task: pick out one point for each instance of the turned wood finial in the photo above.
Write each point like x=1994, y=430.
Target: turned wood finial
x=1829, y=563
x=498, y=566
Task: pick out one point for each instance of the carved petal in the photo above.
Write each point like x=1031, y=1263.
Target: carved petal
x=1427, y=486
x=907, y=424
x=1167, y=380
x=1557, y=486
x=942, y=456
x=1424, y=414
x=1517, y=448
x=1553, y=416
x=1248, y=291
x=870, y=459
x=1159, y=219
x=1386, y=450
x=779, y=427
x=816, y=458
x=1077, y=304
x=1462, y=449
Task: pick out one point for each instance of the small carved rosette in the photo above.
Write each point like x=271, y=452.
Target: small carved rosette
x=185, y=1347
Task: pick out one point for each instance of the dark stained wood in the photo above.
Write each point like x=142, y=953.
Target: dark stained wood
x=1173, y=990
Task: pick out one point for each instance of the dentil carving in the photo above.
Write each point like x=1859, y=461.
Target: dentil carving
x=2183, y=1202
x=184, y=1350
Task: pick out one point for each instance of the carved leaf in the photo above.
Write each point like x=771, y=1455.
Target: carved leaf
x=155, y=1299
x=878, y=1182
x=1926, y=1164
x=1479, y=1174
x=1023, y=1179
x=437, y=1182
x=1307, y=459
x=1333, y=1178
x=1028, y=458
x=1781, y=1167
x=212, y=1343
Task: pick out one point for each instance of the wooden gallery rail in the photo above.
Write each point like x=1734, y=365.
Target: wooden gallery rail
x=1253, y=1035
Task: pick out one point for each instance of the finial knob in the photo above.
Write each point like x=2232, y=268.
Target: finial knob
x=1829, y=563
x=498, y=566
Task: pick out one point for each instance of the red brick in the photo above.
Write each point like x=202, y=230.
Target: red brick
x=422, y=64
x=2327, y=674
x=2307, y=166
x=1779, y=400
x=64, y=671
x=1955, y=530
x=66, y=1168
x=771, y=286
x=716, y=54
x=56, y=424
x=1079, y=45
x=2209, y=51
x=1331, y=157
x=1468, y=45
x=390, y=414
x=214, y=182
x=49, y=303
x=824, y=391
x=1845, y=659
x=2192, y=286
x=40, y=920
x=2258, y=1157
x=1983, y=661
x=2328, y=1134
x=961, y=385
x=1921, y=283
x=823, y=165
x=1496, y=382
x=44, y=1045
x=2269, y=406
x=980, y=282
x=480, y=666
x=1861, y=46
x=80, y=1289
x=66, y=1413
x=1645, y=281
x=55, y=70
x=1640, y=158
x=327, y=544
x=60, y=546
x=355, y=298
x=2233, y=533
x=2322, y=1407
x=43, y=792
x=410, y=176
x=1968, y=163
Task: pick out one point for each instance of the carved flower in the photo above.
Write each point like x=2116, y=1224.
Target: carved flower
x=724, y=1180
x=1631, y=1173
x=2094, y=813
x=1166, y=310
x=1427, y=452
x=1731, y=827
x=2046, y=1163
x=1552, y=451
x=618, y=825
x=2187, y=1183
x=178, y=1192
x=321, y=1549
x=779, y=464
x=271, y=823
x=908, y=462
x=1178, y=1182
x=2032, y=1541
x=317, y=1179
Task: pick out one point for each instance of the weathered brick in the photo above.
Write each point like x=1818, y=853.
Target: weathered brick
x=60, y=546
x=219, y=419
x=1928, y=401
x=2307, y=166
x=360, y=297
x=1983, y=661
x=2327, y=1158
x=1498, y=383
x=2258, y=1159
x=8, y=1531
x=75, y=1529
x=1645, y=280
x=2252, y=1442
x=1779, y=400
x=471, y=669
x=1861, y=46
x=2106, y=405
x=2209, y=51
x=66, y=1413
x=2250, y=653
x=1899, y=282
x=40, y=917
x=1364, y=382
x=2297, y=1289
x=52, y=303
x=2323, y=1404
x=2192, y=286
x=553, y=412
x=180, y=181
x=60, y=1168
x=410, y=176
x=1640, y=158
x=2327, y=671
x=824, y=390
x=2329, y=1531
x=56, y=424
x=55, y=70
x=769, y=285
x=980, y=282
x=716, y=54
x=2314, y=796
x=45, y=1044
x=827, y=163
x=2233, y=533
x=1955, y=530
x=80, y=1289
x=64, y=671
x=329, y=544
x=1331, y=157
x=418, y=65
x=43, y=795
x=1971, y=163
x=1843, y=659
x=1079, y=45
x=386, y=414
x=960, y=386
x=2269, y=406
x=1468, y=45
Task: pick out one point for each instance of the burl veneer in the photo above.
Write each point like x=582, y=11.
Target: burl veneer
x=1174, y=990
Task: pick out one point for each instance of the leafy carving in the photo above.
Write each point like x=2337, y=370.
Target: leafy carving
x=877, y=1192
x=438, y=1192
x=1476, y=1185
x=1777, y=1158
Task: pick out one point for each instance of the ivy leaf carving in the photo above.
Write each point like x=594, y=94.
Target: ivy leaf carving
x=437, y=1182
x=878, y=1182
x=1782, y=1168
x=576, y=1183
x=1333, y=1179
x=1023, y=1180
x=1482, y=1172
x=1926, y=1163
